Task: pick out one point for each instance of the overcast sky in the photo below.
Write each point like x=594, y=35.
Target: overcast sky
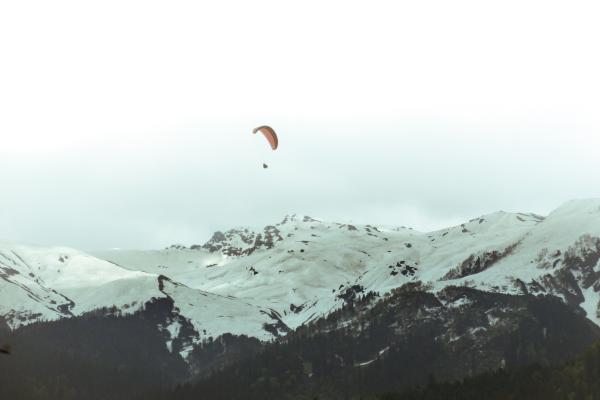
x=129, y=123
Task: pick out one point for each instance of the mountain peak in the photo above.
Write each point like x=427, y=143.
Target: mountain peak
x=297, y=218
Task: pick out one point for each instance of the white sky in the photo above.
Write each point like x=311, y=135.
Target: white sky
x=128, y=123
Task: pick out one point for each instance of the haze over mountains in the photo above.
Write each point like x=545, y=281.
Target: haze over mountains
x=264, y=282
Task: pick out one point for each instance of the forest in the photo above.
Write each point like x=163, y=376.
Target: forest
x=408, y=344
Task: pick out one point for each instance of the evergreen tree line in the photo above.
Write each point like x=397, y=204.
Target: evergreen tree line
x=372, y=344
x=577, y=379
x=91, y=357
x=358, y=349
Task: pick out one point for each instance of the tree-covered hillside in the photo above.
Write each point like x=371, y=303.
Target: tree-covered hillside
x=91, y=357
x=373, y=344
x=577, y=379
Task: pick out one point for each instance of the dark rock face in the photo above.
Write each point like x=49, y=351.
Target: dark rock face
x=479, y=262
x=64, y=308
x=245, y=235
x=407, y=270
x=577, y=272
x=229, y=243
x=5, y=266
x=403, y=268
x=218, y=237
x=277, y=327
x=215, y=243
x=291, y=217
x=572, y=273
x=295, y=309
x=535, y=217
x=164, y=313
x=287, y=219
x=6, y=271
x=583, y=257
x=350, y=294
x=272, y=235
x=557, y=254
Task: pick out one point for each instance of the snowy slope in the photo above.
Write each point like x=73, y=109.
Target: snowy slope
x=263, y=281
x=48, y=283
x=301, y=266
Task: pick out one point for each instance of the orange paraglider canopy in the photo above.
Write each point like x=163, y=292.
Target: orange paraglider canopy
x=269, y=134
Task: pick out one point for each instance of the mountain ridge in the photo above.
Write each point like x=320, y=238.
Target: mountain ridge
x=264, y=282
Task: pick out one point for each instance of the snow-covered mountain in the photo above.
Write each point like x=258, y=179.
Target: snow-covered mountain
x=261, y=282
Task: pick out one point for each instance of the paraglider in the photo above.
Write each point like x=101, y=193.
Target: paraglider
x=271, y=137
x=269, y=134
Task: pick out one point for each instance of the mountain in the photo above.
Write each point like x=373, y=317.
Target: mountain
x=266, y=282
